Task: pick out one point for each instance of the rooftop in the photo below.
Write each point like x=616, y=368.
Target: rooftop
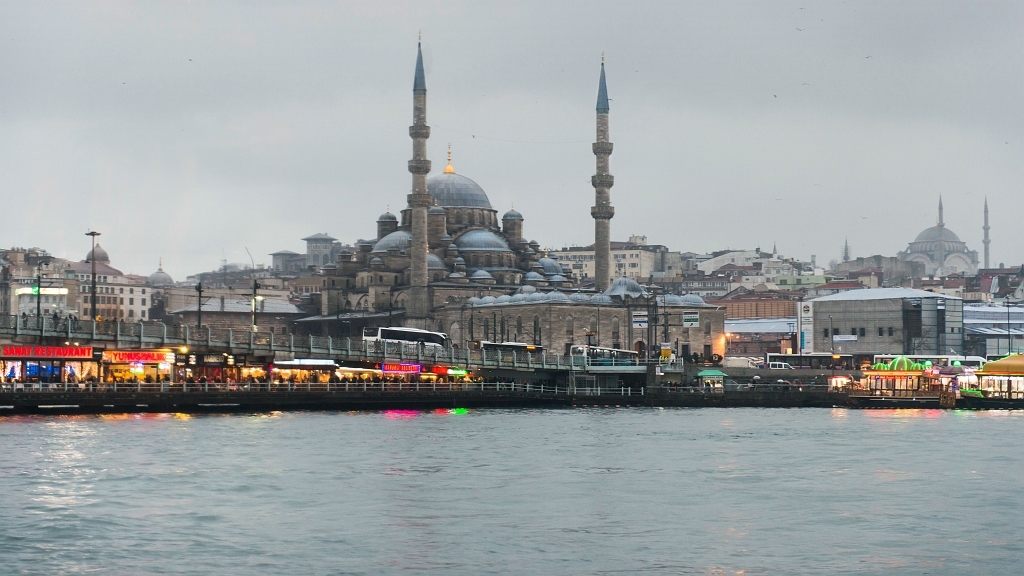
x=881, y=294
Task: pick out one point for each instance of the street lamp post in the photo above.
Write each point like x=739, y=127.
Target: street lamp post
x=92, y=260
x=832, y=342
x=199, y=305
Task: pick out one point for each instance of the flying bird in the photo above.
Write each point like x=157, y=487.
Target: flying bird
x=799, y=29
x=775, y=95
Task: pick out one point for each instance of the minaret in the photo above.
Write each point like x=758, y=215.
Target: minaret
x=419, y=199
x=941, y=223
x=986, y=241
x=846, y=250
x=602, y=211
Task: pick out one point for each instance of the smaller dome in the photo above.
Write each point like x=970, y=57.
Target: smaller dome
x=435, y=263
x=481, y=275
x=519, y=297
x=536, y=297
x=101, y=255
x=376, y=262
x=692, y=300
x=534, y=244
x=512, y=215
x=436, y=211
x=159, y=278
x=533, y=277
x=556, y=296
x=460, y=261
x=601, y=299
x=529, y=252
x=453, y=248
x=446, y=238
x=526, y=290
x=398, y=240
x=579, y=297
x=387, y=217
x=557, y=278
x=550, y=266
x=472, y=301
x=487, y=299
x=456, y=275
x=522, y=243
x=624, y=287
x=503, y=299
x=673, y=300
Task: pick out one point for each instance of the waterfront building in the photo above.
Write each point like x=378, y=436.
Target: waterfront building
x=882, y=321
x=224, y=313
x=634, y=259
x=941, y=251
x=118, y=296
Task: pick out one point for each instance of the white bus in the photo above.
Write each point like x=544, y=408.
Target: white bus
x=397, y=335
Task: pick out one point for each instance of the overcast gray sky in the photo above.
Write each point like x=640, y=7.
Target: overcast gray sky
x=191, y=131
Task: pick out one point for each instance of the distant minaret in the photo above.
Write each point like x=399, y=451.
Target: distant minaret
x=419, y=199
x=846, y=250
x=986, y=241
x=602, y=211
x=941, y=223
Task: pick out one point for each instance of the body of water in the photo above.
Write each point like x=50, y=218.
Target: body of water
x=582, y=491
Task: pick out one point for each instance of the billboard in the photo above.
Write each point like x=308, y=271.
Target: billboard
x=691, y=319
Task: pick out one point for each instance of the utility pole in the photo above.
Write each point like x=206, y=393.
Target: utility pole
x=832, y=343
x=92, y=260
x=199, y=305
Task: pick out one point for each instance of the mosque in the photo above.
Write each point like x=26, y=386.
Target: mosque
x=942, y=252
x=448, y=263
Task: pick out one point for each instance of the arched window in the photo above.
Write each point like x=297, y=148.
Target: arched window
x=569, y=329
x=536, y=330
x=616, y=340
x=455, y=333
x=707, y=327
x=519, y=327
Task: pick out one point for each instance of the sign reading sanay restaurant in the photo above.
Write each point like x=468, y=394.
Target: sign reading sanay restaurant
x=56, y=352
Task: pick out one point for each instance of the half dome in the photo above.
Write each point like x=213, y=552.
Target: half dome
x=399, y=239
x=481, y=240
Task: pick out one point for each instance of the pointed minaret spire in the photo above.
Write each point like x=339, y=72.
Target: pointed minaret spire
x=602, y=211
x=986, y=241
x=846, y=250
x=941, y=223
x=418, y=306
x=419, y=82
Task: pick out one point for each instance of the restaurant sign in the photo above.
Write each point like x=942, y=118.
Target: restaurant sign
x=137, y=356
x=46, y=352
x=400, y=368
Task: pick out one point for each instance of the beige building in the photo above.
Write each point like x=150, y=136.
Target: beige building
x=633, y=259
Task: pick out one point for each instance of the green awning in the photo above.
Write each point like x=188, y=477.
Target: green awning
x=710, y=373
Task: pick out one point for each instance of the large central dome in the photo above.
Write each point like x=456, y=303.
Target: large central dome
x=456, y=191
x=937, y=234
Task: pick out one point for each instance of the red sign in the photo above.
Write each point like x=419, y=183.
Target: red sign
x=403, y=368
x=58, y=352
x=137, y=356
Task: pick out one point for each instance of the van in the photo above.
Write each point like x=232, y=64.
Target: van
x=779, y=366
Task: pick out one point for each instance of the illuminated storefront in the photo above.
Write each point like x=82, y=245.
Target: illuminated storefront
x=48, y=364
x=138, y=365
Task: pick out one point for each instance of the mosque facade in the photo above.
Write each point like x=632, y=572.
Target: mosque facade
x=448, y=262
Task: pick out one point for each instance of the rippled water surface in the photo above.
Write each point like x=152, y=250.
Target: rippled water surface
x=585, y=491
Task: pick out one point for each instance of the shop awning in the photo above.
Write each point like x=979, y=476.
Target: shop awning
x=711, y=374
x=1009, y=366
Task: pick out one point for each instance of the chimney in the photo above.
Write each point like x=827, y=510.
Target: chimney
x=222, y=303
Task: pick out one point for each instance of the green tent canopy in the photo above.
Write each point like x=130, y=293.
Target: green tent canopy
x=711, y=374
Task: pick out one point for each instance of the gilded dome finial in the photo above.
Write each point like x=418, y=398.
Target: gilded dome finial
x=448, y=169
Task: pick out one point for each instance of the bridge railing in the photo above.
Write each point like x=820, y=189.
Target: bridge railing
x=286, y=387
x=153, y=334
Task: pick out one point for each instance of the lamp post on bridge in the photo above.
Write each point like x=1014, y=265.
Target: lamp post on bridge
x=92, y=260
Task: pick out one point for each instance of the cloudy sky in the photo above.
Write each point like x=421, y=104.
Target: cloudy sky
x=194, y=130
